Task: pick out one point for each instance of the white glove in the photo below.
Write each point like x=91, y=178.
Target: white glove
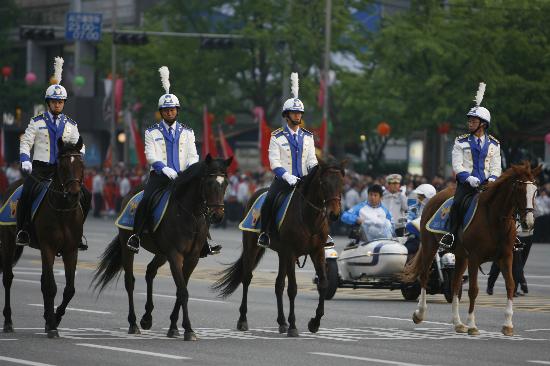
x=474, y=181
x=26, y=166
x=290, y=179
x=491, y=179
x=169, y=172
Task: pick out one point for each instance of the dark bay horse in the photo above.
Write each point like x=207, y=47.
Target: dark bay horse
x=303, y=232
x=196, y=196
x=490, y=236
x=56, y=229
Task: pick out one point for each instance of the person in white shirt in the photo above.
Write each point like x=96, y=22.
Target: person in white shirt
x=396, y=202
x=352, y=197
x=98, y=183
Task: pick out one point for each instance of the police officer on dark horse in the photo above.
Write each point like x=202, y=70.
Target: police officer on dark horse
x=291, y=156
x=42, y=135
x=476, y=161
x=169, y=148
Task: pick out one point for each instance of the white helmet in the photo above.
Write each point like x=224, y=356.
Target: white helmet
x=167, y=100
x=480, y=112
x=56, y=91
x=293, y=104
x=426, y=190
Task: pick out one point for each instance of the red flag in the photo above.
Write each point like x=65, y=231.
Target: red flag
x=264, y=135
x=227, y=152
x=208, y=139
x=321, y=93
x=138, y=143
x=2, y=148
x=108, y=158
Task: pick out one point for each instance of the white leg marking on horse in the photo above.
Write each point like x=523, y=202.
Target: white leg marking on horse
x=422, y=306
x=508, y=314
x=471, y=320
x=459, y=326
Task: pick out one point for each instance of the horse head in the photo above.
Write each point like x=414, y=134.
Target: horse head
x=213, y=186
x=70, y=166
x=331, y=178
x=525, y=191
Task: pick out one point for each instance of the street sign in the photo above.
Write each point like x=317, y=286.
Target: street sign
x=83, y=26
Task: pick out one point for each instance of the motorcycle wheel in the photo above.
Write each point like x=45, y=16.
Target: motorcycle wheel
x=447, y=288
x=411, y=291
x=332, y=277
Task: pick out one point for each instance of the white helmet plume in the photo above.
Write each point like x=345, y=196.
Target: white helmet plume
x=480, y=93
x=165, y=78
x=58, y=69
x=294, y=84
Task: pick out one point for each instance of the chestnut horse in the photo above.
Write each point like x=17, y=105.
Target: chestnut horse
x=303, y=232
x=490, y=236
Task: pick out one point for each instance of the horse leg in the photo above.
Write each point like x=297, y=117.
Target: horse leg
x=473, y=290
x=424, y=260
x=69, y=262
x=7, y=254
x=188, y=268
x=152, y=268
x=182, y=297
x=319, y=263
x=129, y=282
x=279, y=289
x=250, y=252
x=292, y=290
x=506, y=268
x=460, y=267
x=49, y=289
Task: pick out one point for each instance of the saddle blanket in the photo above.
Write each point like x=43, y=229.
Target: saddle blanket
x=439, y=222
x=126, y=218
x=8, y=211
x=252, y=220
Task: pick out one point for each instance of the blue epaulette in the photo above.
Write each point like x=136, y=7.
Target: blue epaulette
x=463, y=137
x=494, y=139
x=38, y=117
x=70, y=120
x=154, y=126
x=307, y=132
x=278, y=132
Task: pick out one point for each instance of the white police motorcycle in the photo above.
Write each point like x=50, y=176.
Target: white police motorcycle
x=377, y=263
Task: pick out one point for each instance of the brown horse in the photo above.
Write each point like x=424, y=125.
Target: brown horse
x=196, y=196
x=57, y=229
x=490, y=236
x=303, y=232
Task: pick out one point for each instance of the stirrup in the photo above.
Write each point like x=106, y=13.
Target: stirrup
x=214, y=249
x=83, y=245
x=134, y=249
x=518, y=245
x=444, y=245
x=19, y=240
x=330, y=242
x=261, y=243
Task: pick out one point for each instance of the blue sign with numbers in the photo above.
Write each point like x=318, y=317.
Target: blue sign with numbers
x=83, y=26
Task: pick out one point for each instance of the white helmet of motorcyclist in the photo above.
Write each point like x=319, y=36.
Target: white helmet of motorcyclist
x=427, y=190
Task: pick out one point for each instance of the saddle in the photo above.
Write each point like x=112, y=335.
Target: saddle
x=252, y=220
x=8, y=211
x=158, y=203
x=439, y=222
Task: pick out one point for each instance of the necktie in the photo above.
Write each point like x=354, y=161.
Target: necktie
x=479, y=143
x=171, y=131
x=296, y=138
x=55, y=120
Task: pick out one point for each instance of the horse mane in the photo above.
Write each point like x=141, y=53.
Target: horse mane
x=504, y=179
x=192, y=172
x=308, y=179
x=66, y=147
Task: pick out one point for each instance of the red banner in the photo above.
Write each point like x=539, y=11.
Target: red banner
x=208, y=139
x=119, y=93
x=264, y=136
x=227, y=152
x=138, y=144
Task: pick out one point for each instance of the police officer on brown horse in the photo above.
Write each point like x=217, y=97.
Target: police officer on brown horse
x=291, y=156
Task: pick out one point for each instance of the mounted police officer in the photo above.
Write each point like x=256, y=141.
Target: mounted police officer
x=476, y=161
x=291, y=156
x=169, y=148
x=41, y=137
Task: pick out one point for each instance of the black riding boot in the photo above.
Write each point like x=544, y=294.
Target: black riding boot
x=278, y=185
x=85, y=203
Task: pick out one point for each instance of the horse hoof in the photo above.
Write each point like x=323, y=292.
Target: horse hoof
x=8, y=328
x=134, y=329
x=189, y=336
x=507, y=331
x=146, y=323
x=461, y=328
x=416, y=318
x=283, y=328
x=473, y=331
x=292, y=332
x=242, y=325
x=313, y=325
x=173, y=333
x=53, y=334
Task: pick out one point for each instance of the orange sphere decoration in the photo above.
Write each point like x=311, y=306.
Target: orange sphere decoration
x=383, y=129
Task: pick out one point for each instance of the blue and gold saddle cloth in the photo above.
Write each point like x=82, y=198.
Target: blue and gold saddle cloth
x=8, y=211
x=252, y=220
x=126, y=218
x=439, y=222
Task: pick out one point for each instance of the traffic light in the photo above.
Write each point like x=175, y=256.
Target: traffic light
x=37, y=34
x=216, y=43
x=130, y=39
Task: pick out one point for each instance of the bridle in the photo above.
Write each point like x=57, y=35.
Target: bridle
x=210, y=206
x=523, y=212
x=72, y=178
x=324, y=200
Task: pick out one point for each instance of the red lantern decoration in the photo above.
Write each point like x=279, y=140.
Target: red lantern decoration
x=547, y=138
x=383, y=129
x=30, y=78
x=444, y=128
x=230, y=119
x=6, y=71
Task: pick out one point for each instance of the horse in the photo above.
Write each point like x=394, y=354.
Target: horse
x=490, y=236
x=57, y=229
x=303, y=232
x=196, y=195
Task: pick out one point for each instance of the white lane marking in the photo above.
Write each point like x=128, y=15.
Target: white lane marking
x=23, y=362
x=406, y=319
x=27, y=281
x=191, y=298
x=539, y=362
x=8, y=339
x=137, y=351
x=76, y=309
x=365, y=359
x=536, y=330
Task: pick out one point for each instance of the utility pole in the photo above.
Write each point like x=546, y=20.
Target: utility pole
x=114, y=157
x=326, y=70
x=77, y=7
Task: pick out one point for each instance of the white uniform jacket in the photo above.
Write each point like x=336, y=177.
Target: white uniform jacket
x=286, y=154
x=42, y=133
x=162, y=149
x=468, y=159
x=396, y=203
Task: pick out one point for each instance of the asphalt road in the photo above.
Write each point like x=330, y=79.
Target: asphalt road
x=359, y=327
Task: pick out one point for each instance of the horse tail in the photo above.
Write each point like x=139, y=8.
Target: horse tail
x=109, y=266
x=233, y=275
x=413, y=268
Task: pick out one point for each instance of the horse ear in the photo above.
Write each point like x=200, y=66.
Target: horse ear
x=228, y=161
x=79, y=144
x=536, y=171
x=320, y=161
x=208, y=158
